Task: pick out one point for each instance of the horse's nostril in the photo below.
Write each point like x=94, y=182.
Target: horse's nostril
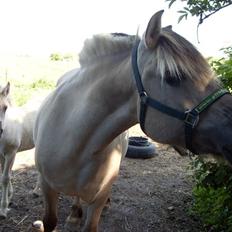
x=1, y=131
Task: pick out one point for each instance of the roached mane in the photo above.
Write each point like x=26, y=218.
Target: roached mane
x=173, y=54
x=104, y=45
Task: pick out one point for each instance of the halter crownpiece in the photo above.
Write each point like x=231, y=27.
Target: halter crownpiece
x=190, y=117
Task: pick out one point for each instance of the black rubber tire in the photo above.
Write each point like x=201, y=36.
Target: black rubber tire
x=140, y=148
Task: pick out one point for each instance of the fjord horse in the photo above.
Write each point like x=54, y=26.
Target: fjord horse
x=160, y=81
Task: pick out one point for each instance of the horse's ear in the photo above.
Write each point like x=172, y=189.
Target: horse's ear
x=153, y=30
x=6, y=89
x=168, y=28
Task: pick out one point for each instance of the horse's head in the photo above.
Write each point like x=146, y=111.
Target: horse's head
x=4, y=103
x=175, y=74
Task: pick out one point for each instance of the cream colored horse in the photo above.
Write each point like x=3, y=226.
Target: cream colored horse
x=17, y=136
x=78, y=145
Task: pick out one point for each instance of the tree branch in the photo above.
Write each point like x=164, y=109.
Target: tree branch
x=207, y=16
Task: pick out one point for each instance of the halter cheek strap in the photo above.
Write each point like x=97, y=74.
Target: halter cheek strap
x=190, y=117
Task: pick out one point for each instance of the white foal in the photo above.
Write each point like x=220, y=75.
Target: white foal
x=17, y=136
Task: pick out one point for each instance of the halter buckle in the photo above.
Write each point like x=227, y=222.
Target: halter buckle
x=143, y=97
x=192, y=118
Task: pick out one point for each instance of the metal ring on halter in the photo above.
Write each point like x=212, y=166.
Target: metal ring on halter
x=143, y=97
x=192, y=118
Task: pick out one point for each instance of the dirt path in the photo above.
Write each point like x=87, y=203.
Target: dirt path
x=149, y=195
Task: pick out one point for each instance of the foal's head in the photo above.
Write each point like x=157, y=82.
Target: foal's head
x=4, y=103
x=176, y=74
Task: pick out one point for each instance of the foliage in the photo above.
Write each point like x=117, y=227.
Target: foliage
x=213, y=194
x=56, y=57
x=213, y=181
x=201, y=8
x=24, y=91
x=223, y=67
x=43, y=84
x=61, y=57
x=31, y=76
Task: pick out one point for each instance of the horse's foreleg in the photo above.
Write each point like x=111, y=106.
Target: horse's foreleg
x=50, y=204
x=94, y=211
x=74, y=219
x=7, y=188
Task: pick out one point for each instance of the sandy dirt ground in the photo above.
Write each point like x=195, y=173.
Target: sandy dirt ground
x=150, y=195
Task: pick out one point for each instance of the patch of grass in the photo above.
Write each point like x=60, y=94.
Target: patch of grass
x=30, y=75
x=42, y=84
x=22, y=92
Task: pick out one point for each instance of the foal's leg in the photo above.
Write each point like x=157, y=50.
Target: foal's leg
x=94, y=211
x=7, y=188
x=50, y=204
x=74, y=219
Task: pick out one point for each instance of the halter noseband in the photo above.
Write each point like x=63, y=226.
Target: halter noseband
x=190, y=117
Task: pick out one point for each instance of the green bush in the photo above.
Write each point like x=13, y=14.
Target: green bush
x=62, y=57
x=56, y=57
x=21, y=95
x=223, y=67
x=213, y=181
x=42, y=84
x=212, y=194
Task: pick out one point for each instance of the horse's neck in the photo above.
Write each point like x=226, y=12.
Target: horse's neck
x=118, y=96
x=119, y=88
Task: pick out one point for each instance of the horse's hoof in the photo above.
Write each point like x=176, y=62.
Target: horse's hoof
x=37, y=226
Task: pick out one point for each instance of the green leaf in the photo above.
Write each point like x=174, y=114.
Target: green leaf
x=182, y=16
x=171, y=2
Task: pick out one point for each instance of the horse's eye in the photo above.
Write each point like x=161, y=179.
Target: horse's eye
x=172, y=80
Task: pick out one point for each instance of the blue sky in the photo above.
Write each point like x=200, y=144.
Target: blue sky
x=46, y=26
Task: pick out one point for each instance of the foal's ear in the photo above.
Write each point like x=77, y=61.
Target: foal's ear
x=6, y=89
x=153, y=30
